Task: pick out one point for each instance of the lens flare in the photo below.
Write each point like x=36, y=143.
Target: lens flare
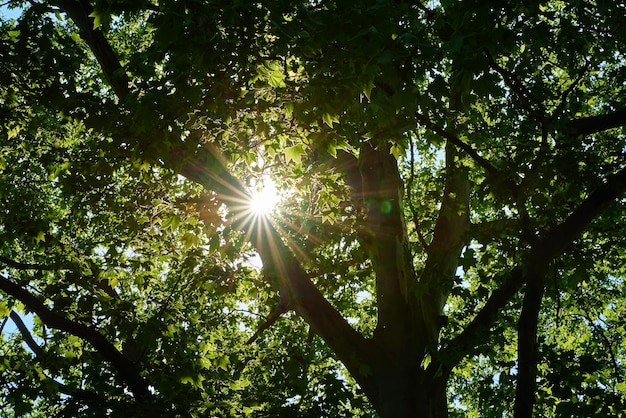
x=264, y=200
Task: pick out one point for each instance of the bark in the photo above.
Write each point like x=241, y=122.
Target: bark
x=79, y=11
x=383, y=234
x=593, y=124
x=411, y=393
x=527, y=355
x=437, y=278
x=26, y=335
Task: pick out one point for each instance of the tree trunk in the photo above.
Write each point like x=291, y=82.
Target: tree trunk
x=406, y=392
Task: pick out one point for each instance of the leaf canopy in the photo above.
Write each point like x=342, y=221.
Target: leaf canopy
x=450, y=239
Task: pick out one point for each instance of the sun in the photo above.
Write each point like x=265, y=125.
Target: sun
x=264, y=199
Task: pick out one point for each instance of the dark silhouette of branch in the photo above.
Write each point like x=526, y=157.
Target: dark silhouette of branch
x=484, y=232
x=471, y=152
x=523, y=94
x=25, y=266
x=409, y=199
x=79, y=11
x=446, y=245
x=594, y=124
x=527, y=355
x=569, y=89
x=542, y=253
x=269, y=321
x=600, y=330
x=39, y=352
x=26, y=335
x=125, y=369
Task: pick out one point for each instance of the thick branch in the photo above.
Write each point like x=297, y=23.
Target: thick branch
x=125, y=369
x=79, y=11
x=208, y=169
x=269, y=321
x=527, y=356
x=437, y=278
x=39, y=352
x=206, y=166
x=307, y=301
x=383, y=235
x=24, y=266
x=594, y=124
x=477, y=331
x=577, y=222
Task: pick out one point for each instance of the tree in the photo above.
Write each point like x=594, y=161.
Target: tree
x=451, y=228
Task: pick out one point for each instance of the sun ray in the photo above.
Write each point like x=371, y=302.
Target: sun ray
x=264, y=199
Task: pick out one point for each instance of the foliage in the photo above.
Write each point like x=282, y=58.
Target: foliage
x=450, y=237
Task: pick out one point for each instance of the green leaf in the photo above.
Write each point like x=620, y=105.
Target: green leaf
x=294, y=153
x=40, y=237
x=367, y=89
x=190, y=240
x=97, y=19
x=223, y=362
x=4, y=309
x=14, y=35
x=172, y=222
x=330, y=119
x=398, y=151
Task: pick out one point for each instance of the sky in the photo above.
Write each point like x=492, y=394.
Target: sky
x=6, y=13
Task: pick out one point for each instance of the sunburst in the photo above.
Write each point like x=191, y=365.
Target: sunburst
x=264, y=199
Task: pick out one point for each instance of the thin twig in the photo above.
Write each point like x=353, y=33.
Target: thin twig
x=409, y=198
x=490, y=168
x=519, y=89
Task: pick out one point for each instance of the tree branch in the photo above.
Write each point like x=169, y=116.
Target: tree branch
x=577, y=222
x=383, y=234
x=79, y=11
x=594, y=124
x=444, y=250
x=562, y=103
x=542, y=253
x=409, y=199
x=520, y=91
x=484, y=232
x=26, y=335
x=308, y=302
x=477, y=331
x=125, y=369
x=39, y=352
x=449, y=136
x=527, y=356
x=25, y=266
x=280, y=309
